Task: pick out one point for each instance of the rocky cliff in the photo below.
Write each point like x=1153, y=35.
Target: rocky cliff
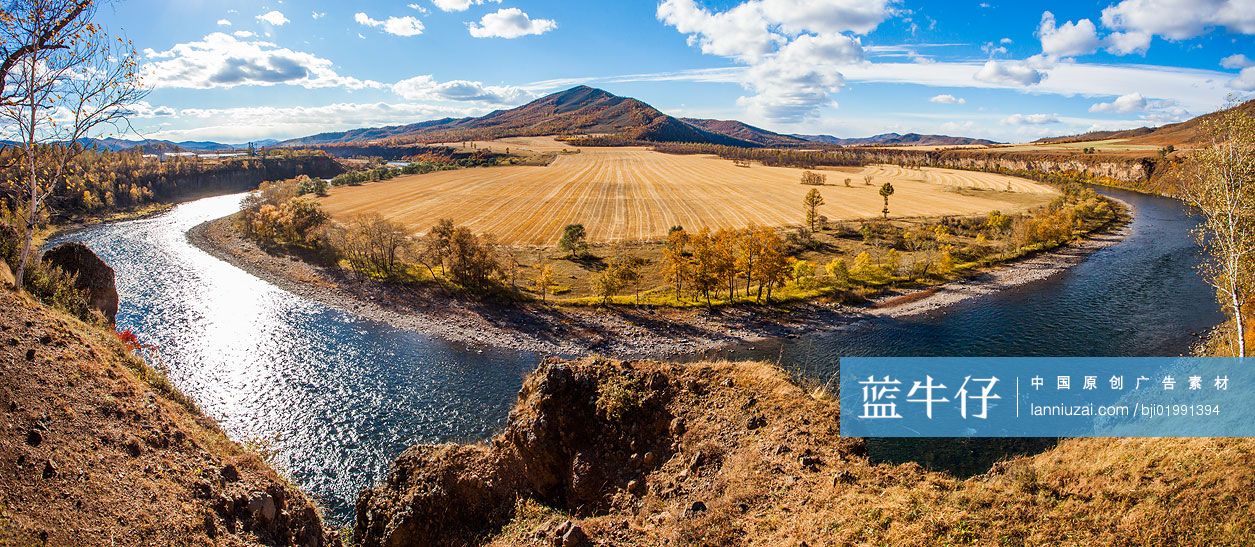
x=643, y=453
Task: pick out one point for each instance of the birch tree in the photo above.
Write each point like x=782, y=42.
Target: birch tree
x=62, y=79
x=1219, y=181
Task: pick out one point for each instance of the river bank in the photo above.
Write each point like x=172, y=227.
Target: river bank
x=622, y=332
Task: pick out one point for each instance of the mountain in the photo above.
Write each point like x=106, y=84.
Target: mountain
x=1097, y=136
x=746, y=132
x=151, y=146
x=896, y=139
x=581, y=110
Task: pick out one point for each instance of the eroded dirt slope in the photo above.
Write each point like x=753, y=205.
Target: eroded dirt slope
x=96, y=449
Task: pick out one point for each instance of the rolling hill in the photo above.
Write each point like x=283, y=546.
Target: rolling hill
x=1188, y=133
x=896, y=139
x=746, y=132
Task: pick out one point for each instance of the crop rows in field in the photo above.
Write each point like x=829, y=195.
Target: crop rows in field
x=635, y=193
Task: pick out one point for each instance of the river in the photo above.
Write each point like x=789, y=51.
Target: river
x=335, y=397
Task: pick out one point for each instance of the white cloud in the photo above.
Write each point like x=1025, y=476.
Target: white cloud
x=1126, y=43
x=794, y=49
x=1133, y=102
x=427, y=88
x=1019, y=73
x=399, y=26
x=1006, y=41
x=224, y=22
x=1180, y=19
x=275, y=18
x=220, y=60
x=1235, y=61
x=455, y=5
x=800, y=78
x=947, y=99
x=1245, y=80
x=510, y=23
x=318, y=14
x=1030, y=119
x=243, y=34
x=1067, y=40
x=253, y=123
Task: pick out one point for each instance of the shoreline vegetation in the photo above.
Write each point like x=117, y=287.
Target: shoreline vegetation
x=624, y=329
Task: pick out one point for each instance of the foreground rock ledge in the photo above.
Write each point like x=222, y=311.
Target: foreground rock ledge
x=644, y=453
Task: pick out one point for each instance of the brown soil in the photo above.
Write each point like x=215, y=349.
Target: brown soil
x=646, y=453
x=98, y=449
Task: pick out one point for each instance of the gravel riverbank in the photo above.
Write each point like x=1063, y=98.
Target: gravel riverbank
x=621, y=332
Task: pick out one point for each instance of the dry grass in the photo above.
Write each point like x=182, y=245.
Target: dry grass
x=794, y=481
x=638, y=194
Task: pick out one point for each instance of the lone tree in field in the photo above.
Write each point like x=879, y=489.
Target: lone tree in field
x=62, y=79
x=811, y=178
x=867, y=180
x=885, y=192
x=1220, y=181
x=811, y=204
x=574, y=240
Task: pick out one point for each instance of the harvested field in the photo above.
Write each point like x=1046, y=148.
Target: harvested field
x=638, y=194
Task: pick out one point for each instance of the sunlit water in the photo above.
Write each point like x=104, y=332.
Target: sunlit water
x=335, y=396
x=338, y=397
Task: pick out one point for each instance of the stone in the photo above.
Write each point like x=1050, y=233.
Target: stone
x=50, y=469
x=575, y=537
x=94, y=276
x=34, y=437
x=262, y=506
x=697, y=507
x=677, y=427
x=650, y=459
x=6, y=275
x=755, y=422
x=229, y=473
x=30, y=354
x=133, y=448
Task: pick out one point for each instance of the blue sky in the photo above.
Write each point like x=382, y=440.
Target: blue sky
x=231, y=70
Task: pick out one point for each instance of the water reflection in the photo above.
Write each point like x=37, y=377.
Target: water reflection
x=337, y=397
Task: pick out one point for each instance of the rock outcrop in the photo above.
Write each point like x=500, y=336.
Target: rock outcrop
x=93, y=276
x=579, y=434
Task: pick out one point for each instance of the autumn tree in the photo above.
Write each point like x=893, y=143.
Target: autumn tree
x=677, y=263
x=867, y=180
x=434, y=246
x=885, y=191
x=544, y=281
x=474, y=260
x=773, y=264
x=811, y=178
x=574, y=240
x=62, y=79
x=372, y=244
x=705, y=276
x=810, y=205
x=1219, y=180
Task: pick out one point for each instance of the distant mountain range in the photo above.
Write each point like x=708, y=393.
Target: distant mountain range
x=896, y=139
x=581, y=110
x=584, y=110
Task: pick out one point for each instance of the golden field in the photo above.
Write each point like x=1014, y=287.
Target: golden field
x=635, y=193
